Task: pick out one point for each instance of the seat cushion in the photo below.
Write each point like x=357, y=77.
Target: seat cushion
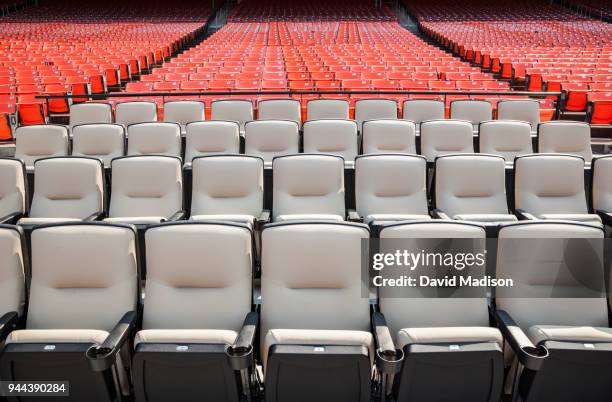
x=542, y=333
x=488, y=218
x=57, y=336
x=45, y=221
x=394, y=217
x=309, y=217
x=135, y=220
x=588, y=218
x=246, y=219
x=211, y=336
x=408, y=336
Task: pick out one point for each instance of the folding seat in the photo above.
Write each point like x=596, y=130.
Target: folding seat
x=13, y=190
x=239, y=111
x=66, y=189
x=551, y=186
x=211, y=137
x=390, y=188
x=601, y=188
x=183, y=112
x=565, y=137
x=101, y=141
x=158, y=138
x=443, y=137
x=555, y=321
x=327, y=109
x=308, y=187
x=475, y=111
x=505, y=138
x=13, y=268
x=523, y=110
x=373, y=109
x=136, y=199
x=271, y=138
x=190, y=348
x=127, y=113
x=332, y=136
x=280, y=109
x=324, y=351
x=440, y=331
x=40, y=141
x=389, y=136
x=30, y=112
x=67, y=336
x=420, y=110
x=599, y=112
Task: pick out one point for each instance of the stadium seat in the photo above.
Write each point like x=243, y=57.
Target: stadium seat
x=600, y=112
x=390, y=188
x=100, y=141
x=183, y=112
x=158, y=138
x=551, y=186
x=13, y=190
x=474, y=111
x=12, y=273
x=211, y=137
x=280, y=109
x=505, y=138
x=189, y=349
x=128, y=113
x=308, y=187
x=442, y=137
x=239, y=111
x=373, y=109
x=602, y=188
x=565, y=137
x=271, y=138
x=523, y=110
x=329, y=343
x=420, y=110
x=40, y=141
x=67, y=336
x=327, y=109
x=389, y=136
x=90, y=113
x=332, y=136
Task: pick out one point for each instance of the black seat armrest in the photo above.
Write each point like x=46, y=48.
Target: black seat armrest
x=96, y=216
x=103, y=357
x=177, y=216
x=523, y=215
x=606, y=217
x=240, y=354
x=530, y=355
x=439, y=214
x=263, y=218
x=388, y=359
x=11, y=218
x=8, y=322
x=353, y=216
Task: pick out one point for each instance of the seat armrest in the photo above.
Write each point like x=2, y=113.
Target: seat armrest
x=439, y=214
x=388, y=359
x=353, y=216
x=240, y=354
x=178, y=215
x=11, y=218
x=96, y=216
x=530, y=355
x=263, y=218
x=523, y=215
x=8, y=322
x=103, y=357
x=606, y=217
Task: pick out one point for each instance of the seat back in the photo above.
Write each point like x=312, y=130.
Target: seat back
x=12, y=186
x=271, y=138
x=187, y=276
x=331, y=136
x=442, y=137
x=390, y=184
x=128, y=113
x=327, y=109
x=239, y=111
x=372, y=109
x=474, y=111
x=183, y=112
x=308, y=184
x=602, y=184
x=154, y=139
x=90, y=113
x=227, y=184
x=470, y=184
x=420, y=110
x=71, y=187
x=505, y=138
x=565, y=137
x=523, y=110
x=134, y=194
x=76, y=269
x=550, y=184
x=12, y=269
x=40, y=141
x=280, y=109
x=388, y=136
x=101, y=141
x=211, y=137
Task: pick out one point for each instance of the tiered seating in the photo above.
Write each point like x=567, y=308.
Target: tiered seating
x=529, y=42
x=598, y=8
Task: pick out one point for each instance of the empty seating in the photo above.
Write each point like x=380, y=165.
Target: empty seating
x=211, y=137
x=602, y=188
x=101, y=141
x=12, y=190
x=474, y=111
x=388, y=136
x=181, y=350
x=154, y=139
x=13, y=269
x=551, y=187
x=332, y=136
x=271, y=138
x=327, y=109
x=505, y=138
x=280, y=109
x=82, y=307
x=372, y=109
x=128, y=113
x=442, y=137
x=90, y=113
x=391, y=188
x=183, y=112
x=239, y=111
x=523, y=110
x=137, y=199
x=329, y=343
x=40, y=141
x=472, y=188
x=66, y=189
x=565, y=137
x=420, y=110
x=308, y=187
